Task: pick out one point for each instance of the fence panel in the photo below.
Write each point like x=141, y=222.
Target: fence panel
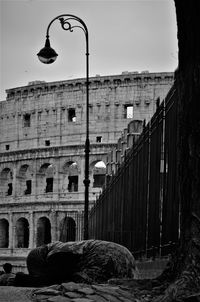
x=139, y=206
x=170, y=208
x=154, y=219
x=139, y=199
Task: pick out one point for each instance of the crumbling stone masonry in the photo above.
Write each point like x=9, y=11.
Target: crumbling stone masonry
x=42, y=136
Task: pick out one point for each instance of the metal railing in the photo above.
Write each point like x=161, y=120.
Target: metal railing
x=139, y=207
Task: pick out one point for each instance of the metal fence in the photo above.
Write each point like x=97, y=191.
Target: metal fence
x=139, y=207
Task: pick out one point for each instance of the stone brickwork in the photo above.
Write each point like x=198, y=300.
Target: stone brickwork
x=42, y=158
x=117, y=154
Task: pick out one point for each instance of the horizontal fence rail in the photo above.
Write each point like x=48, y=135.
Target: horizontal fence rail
x=139, y=207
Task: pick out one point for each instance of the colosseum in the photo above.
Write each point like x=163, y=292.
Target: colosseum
x=42, y=137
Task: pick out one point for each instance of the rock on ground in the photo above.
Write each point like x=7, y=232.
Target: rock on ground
x=79, y=292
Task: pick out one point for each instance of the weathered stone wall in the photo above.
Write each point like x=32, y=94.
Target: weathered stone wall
x=40, y=112
x=42, y=158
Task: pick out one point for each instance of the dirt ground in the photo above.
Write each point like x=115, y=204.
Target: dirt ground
x=15, y=294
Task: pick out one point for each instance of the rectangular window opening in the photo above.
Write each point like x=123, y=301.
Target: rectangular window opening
x=47, y=142
x=10, y=189
x=7, y=147
x=99, y=180
x=72, y=115
x=128, y=111
x=39, y=116
x=49, y=185
x=99, y=139
x=27, y=120
x=28, y=187
x=73, y=183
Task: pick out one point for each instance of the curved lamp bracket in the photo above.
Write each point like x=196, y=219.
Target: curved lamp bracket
x=65, y=21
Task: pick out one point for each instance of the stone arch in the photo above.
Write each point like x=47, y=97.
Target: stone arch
x=107, y=82
x=24, y=180
x=4, y=233
x=127, y=80
x=98, y=169
x=62, y=86
x=46, y=89
x=46, y=178
x=137, y=79
x=22, y=233
x=6, y=182
x=38, y=90
x=71, y=175
x=97, y=83
x=70, y=86
x=117, y=81
x=25, y=92
x=43, y=231
x=78, y=85
x=67, y=229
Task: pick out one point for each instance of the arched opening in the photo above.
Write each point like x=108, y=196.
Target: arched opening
x=46, y=178
x=71, y=176
x=24, y=181
x=6, y=182
x=43, y=231
x=99, y=173
x=22, y=233
x=67, y=229
x=4, y=233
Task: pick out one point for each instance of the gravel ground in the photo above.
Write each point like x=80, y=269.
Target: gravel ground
x=15, y=294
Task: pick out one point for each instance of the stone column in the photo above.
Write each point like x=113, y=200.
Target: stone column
x=59, y=116
x=79, y=226
x=57, y=188
x=11, y=231
x=53, y=216
x=14, y=182
x=18, y=124
x=81, y=176
x=35, y=219
x=31, y=230
x=34, y=179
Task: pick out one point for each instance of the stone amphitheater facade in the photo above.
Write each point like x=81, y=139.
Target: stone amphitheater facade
x=42, y=137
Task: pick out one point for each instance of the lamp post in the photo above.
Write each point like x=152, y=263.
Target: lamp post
x=48, y=55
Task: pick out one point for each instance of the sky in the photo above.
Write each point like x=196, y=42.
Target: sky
x=124, y=35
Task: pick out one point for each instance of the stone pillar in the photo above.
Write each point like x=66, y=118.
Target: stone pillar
x=57, y=188
x=11, y=231
x=79, y=226
x=18, y=124
x=31, y=230
x=34, y=180
x=81, y=176
x=14, y=182
x=35, y=218
x=59, y=121
x=53, y=216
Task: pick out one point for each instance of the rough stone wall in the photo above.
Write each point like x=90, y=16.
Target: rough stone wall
x=42, y=158
x=40, y=112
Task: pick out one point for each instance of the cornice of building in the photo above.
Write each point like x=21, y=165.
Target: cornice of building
x=53, y=151
x=125, y=78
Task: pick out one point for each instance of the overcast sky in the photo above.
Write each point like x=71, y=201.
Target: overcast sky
x=123, y=36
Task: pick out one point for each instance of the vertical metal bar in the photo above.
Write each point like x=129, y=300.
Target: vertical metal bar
x=87, y=144
x=170, y=216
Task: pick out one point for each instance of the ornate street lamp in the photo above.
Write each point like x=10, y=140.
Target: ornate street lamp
x=48, y=55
